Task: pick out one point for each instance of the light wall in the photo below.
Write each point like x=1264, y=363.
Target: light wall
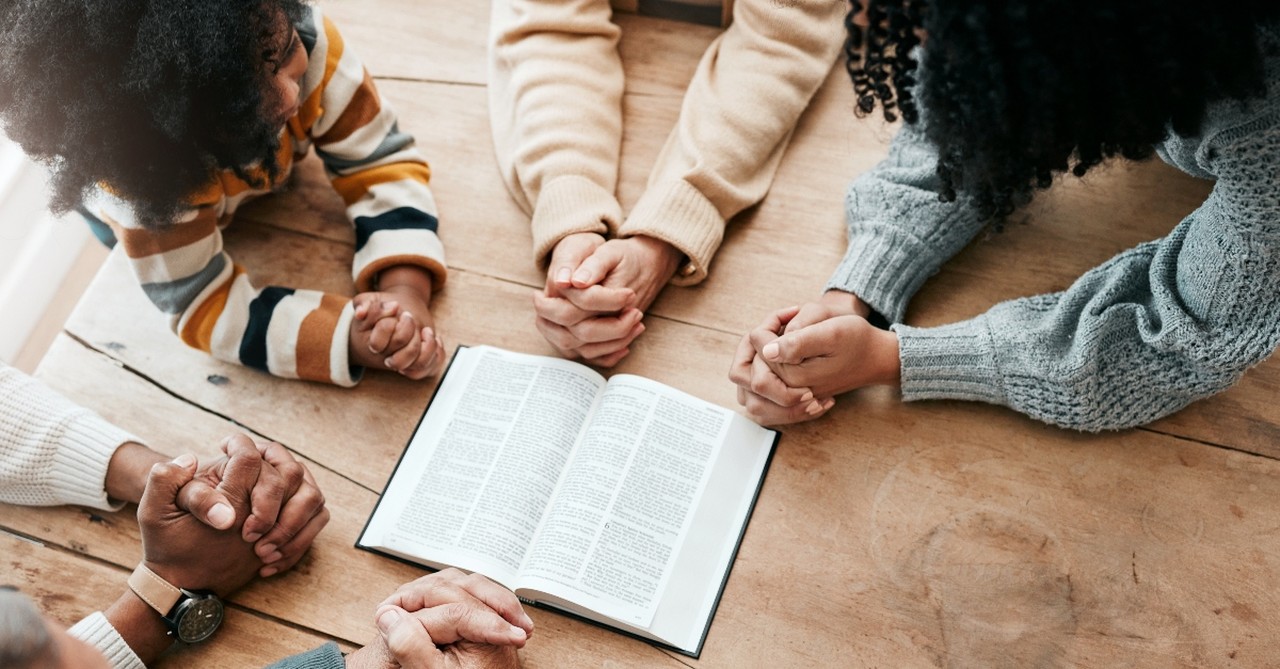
x=37, y=251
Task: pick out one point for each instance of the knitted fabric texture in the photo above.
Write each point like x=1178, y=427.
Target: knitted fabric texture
x=97, y=631
x=1146, y=333
x=52, y=451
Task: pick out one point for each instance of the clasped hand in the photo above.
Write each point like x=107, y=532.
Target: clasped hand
x=447, y=620
x=213, y=525
x=593, y=303
x=790, y=368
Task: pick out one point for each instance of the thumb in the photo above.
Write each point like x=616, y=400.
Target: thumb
x=163, y=483
x=408, y=641
x=568, y=255
x=597, y=266
x=208, y=504
x=793, y=348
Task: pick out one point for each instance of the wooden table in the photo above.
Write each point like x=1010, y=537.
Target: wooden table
x=887, y=534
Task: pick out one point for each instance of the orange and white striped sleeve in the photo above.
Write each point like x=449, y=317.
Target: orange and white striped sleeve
x=372, y=163
x=212, y=306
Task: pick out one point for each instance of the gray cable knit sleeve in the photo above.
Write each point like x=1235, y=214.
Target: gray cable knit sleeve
x=899, y=232
x=325, y=657
x=1151, y=330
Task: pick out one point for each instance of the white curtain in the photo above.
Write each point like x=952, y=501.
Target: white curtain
x=36, y=250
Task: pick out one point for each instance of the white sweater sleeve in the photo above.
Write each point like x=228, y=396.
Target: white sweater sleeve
x=97, y=631
x=52, y=451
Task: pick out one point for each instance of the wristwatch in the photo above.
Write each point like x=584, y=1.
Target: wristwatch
x=191, y=615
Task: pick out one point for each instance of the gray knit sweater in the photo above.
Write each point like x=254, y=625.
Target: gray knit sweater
x=1136, y=338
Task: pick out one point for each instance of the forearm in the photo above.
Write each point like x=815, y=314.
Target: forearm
x=140, y=627
x=52, y=451
x=1115, y=350
x=127, y=472
x=738, y=114
x=899, y=232
x=557, y=137
x=411, y=278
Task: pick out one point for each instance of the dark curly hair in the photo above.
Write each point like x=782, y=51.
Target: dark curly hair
x=1015, y=92
x=147, y=97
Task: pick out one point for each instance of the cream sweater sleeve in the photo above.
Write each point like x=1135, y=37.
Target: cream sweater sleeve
x=738, y=115
x=555, y=107
x=52, y=451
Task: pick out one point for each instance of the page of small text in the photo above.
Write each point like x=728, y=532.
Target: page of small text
x=624, y=505
x=474, y=485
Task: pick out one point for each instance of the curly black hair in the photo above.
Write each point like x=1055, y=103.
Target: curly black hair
x=148, y=98
x=1014, y=92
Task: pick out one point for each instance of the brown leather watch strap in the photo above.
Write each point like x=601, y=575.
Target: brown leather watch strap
x=158, y=593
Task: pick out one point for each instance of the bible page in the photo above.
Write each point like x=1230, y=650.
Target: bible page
x=475, y=479
x=624, y=506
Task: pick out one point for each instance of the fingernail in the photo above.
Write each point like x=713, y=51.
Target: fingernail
x=564, y=275
x=808, y=397
x=770, y=350
x=272, y=557
x=388, y=618
x=269, y=572
x=528, y=622
x=185, y=460
x=428, y=333
x=265, y=549
x=814, y=408
x=252, y=537
x=222, y=516
x=517, y=633
x=406, y=315
x=829, y=403
x=387, y=362
x=582, y=276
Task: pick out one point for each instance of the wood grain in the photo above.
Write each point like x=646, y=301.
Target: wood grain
x=426, y=41
x=937, y=534
x=68, y=588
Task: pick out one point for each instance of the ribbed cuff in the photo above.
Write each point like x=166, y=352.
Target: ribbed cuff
x=97, y=631
x=79, y=472
x=883, y=267
x=955, y=361
x=388, y=248
x=327, y=656
x=569, y=205
x=679, y=214
x=341, y=372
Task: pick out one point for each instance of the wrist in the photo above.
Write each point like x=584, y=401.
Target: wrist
x=666, y=256
x=845, y=303
x=889, y=362
x=410, y=279
x=128, y=469
x=140, y=626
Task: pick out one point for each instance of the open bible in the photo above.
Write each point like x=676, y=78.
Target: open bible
x=622, y=502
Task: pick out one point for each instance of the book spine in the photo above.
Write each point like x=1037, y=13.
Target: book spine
x=706, y=12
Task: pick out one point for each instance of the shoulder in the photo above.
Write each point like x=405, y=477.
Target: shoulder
x=1238, y=136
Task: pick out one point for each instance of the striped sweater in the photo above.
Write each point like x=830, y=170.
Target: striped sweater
x=372, y=164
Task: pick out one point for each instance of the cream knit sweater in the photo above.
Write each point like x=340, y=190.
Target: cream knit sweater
x=555, y=101
x=53, y=452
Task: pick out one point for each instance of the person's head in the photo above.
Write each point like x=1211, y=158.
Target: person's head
x=150, y=99
x=1014, y=92
x=28, y=641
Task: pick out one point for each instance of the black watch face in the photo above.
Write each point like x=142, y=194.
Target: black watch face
x=198, y=619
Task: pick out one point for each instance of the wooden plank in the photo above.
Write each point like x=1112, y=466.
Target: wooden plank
x=379, y=416
x=333, y=591
x=880, y=491
x=173, y=426
x=955, y=535
x=475, y=207
x=68, y=588
x=447, y=42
